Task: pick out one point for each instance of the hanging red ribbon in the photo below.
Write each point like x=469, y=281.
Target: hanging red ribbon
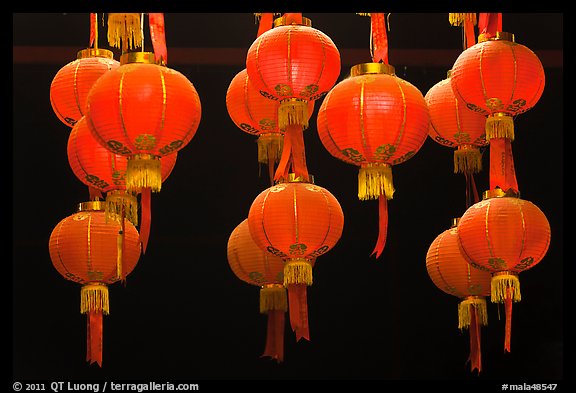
x=469, y=35
x=489, y=23
x=379, y=38
x=293, y=18
x=94, y=193
x=502, y=172
x=382, y=225
x=266, y=23
x=293, y=154
x=275, y=336
x=508, y=326
x=94, y=337
x=93, y=27
x=298, y=308
x=158, y=37
x=146, y=218
x=474, y=331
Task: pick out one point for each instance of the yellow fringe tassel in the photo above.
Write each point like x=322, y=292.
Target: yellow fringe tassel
x=273, y=297
x=465, y=311
x=297, y=271
x=499, y=125
x=116, y=200
x=94, y=297
x=499, y=285
x=467, y=159
x=270, y=147
x=143, y=171
x=292, y=112
x=457, y=19
x=124, y=31
x=372, y=179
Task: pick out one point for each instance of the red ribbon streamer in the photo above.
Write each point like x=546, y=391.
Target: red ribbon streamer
x=293, y=154
x=293, y=17
x=508, y=327
x=266, y=23
x=382, y=225
x=489, y=23
x=158, y=36
x=298, y=308
x=275, y=336
x=94, y=339
x=146, y=217
x=469, y=36
x=92, y=28
x=474, y=331
x=502, y=173
x=379, y=38
x=94, y=193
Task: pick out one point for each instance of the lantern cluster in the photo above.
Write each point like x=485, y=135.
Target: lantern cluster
x=128, y=120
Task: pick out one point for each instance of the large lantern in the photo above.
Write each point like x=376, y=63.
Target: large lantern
x=293, y=63
x=504, y=235
x=258, y=267
x=450, y=271
x=85, y=248
x=297, y=221
x=72, y=83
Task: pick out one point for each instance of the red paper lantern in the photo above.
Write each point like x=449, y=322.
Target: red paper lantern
x=504, y=235
x=99, y=168
x=500, y=79
x=86, y=249
x=452, y=124
x=70, y=87
x=144, y=111
x=258, y=267
x=374, y=119
x=296, y=221
x=450, y=271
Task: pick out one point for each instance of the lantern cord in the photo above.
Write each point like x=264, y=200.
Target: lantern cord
x=271, y=169
x=502, y=172
x=472, y=196
x=158, y=37
x=94, y=337
x=298, y=309
x=382, y=224
x=275, y=336
x=508, y=326
x=142, y=30
x=146, y=217
x=378, y=38
x=120, y=246
x=266, y=22
x=475, y=357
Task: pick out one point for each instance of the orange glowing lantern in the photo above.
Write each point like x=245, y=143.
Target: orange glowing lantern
x=258, y=267
x=86, y=249
x=257, y=115
x=297, y=221
x=450, y=271
x=504, y=235
x=293, y=63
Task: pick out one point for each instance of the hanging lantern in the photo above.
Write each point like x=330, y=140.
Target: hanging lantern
x=260, y=268
x=498, y=78
x=70, y=87
x=374, y=119
x=86, y=249
x=450, y=271
x=297, y=221
x=257, y=115
x=293, y=63
x=504, y=235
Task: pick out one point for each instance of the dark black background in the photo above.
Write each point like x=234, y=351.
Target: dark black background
x=184, y=315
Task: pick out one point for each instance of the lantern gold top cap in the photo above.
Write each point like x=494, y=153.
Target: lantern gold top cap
x=372, y=68
x=500, y=35
x=139, y=57
x=455, y=222
x=448, y=74
x=292, y=178
x=91, y=206
x=94, y=52
x=282, y=22
x=498, y=193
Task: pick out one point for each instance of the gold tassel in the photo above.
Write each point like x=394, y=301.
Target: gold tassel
x=273, y=297
x=457, y=19
x=500, y=282
x=270, y=147
x=94, y=297
x=467, y=159
x=143, y=171
x=372, y=179
x=116, y=200
x=464, y=311
x=499, y=125
x=124, y=31
x=297, y=271
x=364, y=14
x=292, y=111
